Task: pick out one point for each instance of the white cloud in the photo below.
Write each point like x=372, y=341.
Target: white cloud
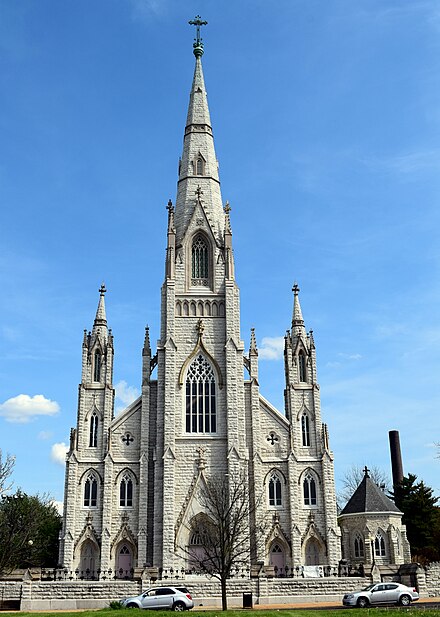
x=272, y=348
x=142, y=10
x=59, y=506
x=44, y=435
x=24, y=408
x=125, y=394
x=350, y=356
x=58, y=453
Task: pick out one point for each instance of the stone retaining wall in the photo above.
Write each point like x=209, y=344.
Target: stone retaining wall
x=69, y=595
x=433, y=579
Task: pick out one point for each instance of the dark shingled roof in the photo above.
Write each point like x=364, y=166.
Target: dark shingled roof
x=368, y=497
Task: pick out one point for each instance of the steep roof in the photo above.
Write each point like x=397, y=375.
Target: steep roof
x=368, y=497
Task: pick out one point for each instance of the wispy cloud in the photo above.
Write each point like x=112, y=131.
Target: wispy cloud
x=125, y=394
x=44, y=435
x=24, y=408
x=272, y=348
x=144, y=9
x=58, y=453
x=408, y=164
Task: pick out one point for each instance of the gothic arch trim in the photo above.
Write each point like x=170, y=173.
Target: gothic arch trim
x=128, y=471
x=86, y=472
x=276, y=470
x=200, y=347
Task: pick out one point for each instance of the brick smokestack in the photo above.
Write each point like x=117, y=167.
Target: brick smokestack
x=396, y=457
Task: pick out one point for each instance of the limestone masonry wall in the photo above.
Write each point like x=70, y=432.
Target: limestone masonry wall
x=433, y=579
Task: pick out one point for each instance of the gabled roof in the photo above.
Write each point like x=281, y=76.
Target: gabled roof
x=368, y=497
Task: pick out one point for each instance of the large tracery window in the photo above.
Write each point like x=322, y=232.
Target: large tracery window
x=358, y=546
x=200, y=262
x=379, y=545
x=200, y=397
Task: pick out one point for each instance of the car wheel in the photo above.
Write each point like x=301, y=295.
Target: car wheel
x=132, y=605
x=179, y=606
x=405, y=600
x=362, y=602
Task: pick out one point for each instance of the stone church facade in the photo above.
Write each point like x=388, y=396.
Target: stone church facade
x=132, y=480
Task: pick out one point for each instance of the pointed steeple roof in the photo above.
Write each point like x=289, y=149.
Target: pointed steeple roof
x=198, y=166
x=101, y=318
x=298, y=328
x=368, y=497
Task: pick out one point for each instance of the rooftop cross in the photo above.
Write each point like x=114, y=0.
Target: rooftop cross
x=198, y=44
x=102, y=289
x=295, y=288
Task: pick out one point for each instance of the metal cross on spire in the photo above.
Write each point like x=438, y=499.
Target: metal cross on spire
x=198, y=44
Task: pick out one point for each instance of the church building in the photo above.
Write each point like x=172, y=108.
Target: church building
x=132, y=480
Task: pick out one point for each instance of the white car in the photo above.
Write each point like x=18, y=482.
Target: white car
x=174, y=598
x=381, y=593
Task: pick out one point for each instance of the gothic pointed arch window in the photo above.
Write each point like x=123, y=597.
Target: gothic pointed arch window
x=309, y=490
x=201, y=414
x=126, y=492
x=358, y=545
x=97, y=361
x=93, y=430
x=305, y=429
x=274, y=490
x=302, y=366
x=379, y=545
x=91, y=491
x=200, y=261
x=200, y=166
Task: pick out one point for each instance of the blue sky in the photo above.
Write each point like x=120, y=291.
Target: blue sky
x=326, y=121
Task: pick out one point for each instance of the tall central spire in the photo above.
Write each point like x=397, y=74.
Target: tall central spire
x=198, y=166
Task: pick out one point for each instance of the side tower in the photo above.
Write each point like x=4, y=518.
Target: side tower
x=200, y=395
x=80, y=545
x=314, y=531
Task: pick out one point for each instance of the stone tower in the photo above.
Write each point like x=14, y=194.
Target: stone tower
x=202, y=414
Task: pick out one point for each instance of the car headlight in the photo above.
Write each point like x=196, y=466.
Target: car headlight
x=349, y=596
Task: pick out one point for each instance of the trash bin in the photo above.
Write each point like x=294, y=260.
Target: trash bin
x=247, y=599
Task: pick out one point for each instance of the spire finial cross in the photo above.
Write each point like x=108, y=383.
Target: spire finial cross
x=295, y=288
x=197, y=22
x=227, y=208
x=102, y=289
x=366, y=472
x=198, y=44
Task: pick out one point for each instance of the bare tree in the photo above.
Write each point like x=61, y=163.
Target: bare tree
x=354, y=476
x=6, y=469
x=222, y=534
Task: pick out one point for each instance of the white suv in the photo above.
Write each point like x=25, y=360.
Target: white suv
x=174, y=598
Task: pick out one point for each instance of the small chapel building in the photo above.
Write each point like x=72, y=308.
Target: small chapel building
x=131, y=480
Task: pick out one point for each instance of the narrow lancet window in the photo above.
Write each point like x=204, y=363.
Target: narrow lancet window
x=309, y=487
x=93, y=435
x=200, y=167
x=379, y=546
x=201, y=416
x=126, y=492
x=302, y=366
x=305, y=430
x=97, y=366
x=90, y=492
x=275, y=490
x=200, y=262
x=358, y=546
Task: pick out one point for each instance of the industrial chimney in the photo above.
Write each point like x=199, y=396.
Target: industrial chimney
x=396, y=457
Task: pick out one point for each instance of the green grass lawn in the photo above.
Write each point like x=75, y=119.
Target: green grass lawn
x=352, y=612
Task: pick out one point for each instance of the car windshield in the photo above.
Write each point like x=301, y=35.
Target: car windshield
x=368, y=587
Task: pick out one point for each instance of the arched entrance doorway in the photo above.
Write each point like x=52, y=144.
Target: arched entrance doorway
x=313, y=552
x=277, y=558
x=124, y=561
x=88, y=560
